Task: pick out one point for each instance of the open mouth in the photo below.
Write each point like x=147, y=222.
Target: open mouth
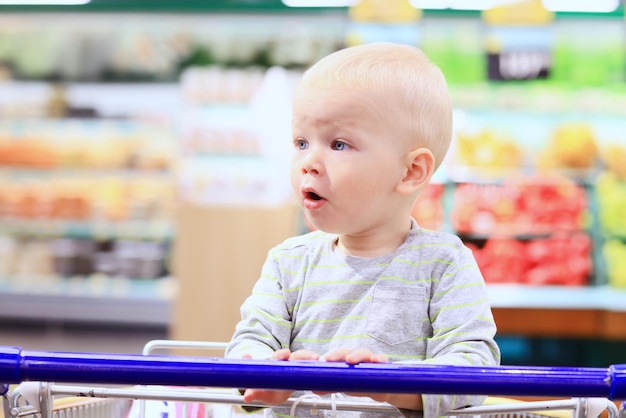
x=313, y=196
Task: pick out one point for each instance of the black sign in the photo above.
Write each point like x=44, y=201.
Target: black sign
x=519, y=65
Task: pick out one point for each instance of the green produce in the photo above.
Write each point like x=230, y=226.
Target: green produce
x=611, y=195
x=614, y=252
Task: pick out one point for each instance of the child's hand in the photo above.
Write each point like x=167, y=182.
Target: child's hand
x=276, y=397
x=354, y=357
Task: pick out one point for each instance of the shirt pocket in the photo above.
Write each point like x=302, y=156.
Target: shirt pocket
x=396, y=313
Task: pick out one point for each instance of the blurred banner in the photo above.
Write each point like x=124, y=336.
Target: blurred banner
x=383, y=20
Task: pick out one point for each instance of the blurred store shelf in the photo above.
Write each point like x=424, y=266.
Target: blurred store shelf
x=110, y=100
x=156, y=230
x=557, y=297
x=124, y=303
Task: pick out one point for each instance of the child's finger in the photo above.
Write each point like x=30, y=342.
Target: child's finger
x=337, y=355
x=379, y=358
x=282, y=354
x=250, y=395
x=304, y=355
x=359, y=356
x=269, y=397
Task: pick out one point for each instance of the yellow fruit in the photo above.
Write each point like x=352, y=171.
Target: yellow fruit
x=487, y=149
x=615, y=160
x=573, y=145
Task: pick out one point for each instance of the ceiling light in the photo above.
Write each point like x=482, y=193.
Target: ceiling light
x=590, y=6
x=477, y=4
x=320, y=3
x=430, y=4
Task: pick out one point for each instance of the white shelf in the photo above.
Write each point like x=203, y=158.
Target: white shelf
x=556, y=297
x=140, y=303
x=118, y=311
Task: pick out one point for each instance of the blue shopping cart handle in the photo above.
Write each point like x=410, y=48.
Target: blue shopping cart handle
x=17, y=365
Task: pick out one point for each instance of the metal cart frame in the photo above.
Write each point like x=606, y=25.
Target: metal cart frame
x=592, y=390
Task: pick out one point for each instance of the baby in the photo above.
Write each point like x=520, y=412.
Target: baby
x=371, y=124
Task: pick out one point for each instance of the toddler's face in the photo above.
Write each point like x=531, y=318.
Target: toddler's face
x=348, y=157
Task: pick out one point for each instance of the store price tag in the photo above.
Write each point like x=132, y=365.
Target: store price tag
x=518, y=41
x=518, y=65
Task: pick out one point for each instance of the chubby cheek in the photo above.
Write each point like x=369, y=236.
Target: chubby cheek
x=296, y=178
x=369, y=184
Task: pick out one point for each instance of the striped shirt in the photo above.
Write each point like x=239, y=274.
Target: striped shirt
x=425, y=302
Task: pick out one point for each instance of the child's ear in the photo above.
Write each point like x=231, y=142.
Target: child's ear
x=420, y=166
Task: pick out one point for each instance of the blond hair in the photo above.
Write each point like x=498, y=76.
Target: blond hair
x=404, y=75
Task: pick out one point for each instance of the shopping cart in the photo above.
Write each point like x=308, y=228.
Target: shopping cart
x=134, y=380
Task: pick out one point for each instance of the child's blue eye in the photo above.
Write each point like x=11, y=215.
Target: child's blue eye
x=340, y=145
x=301, y=144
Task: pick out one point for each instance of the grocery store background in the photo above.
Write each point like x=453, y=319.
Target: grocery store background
x=144, y=149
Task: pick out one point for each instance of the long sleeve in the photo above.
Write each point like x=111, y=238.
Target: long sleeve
x=265, y=324
x=463, y=328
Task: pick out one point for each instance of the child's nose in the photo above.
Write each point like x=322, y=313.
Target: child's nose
x=312, y=162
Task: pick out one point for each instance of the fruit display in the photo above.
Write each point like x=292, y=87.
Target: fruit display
x=525, y=205
x=614, y=252
x=488, y=149
x=561, y=259
x=610, y=193
x=111, y=198
x=524, y=177
x=614, y=156
x=527, y=229
x=87, y=171
x=67, y=143
x=84, y=198
x=570, y=146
